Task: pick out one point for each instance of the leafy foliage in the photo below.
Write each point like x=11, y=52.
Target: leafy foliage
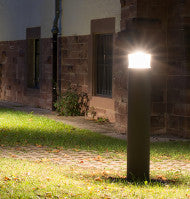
x=72, y=103
x=102, y=120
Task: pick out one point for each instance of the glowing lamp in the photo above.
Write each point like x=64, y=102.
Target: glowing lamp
x=139, y=60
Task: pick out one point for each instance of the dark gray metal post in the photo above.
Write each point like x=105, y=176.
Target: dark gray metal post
x=55, y=31
x=54, y=71
x=138, y=139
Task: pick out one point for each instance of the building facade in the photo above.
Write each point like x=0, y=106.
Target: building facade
x=94, y=40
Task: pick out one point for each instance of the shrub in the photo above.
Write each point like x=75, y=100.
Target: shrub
x=72, y=103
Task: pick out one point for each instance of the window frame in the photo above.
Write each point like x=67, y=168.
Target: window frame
x=33, y=45
x=96, y=67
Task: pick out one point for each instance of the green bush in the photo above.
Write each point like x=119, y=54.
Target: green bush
x=72, y=103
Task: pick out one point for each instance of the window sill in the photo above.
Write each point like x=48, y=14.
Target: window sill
x=102, y=102
x=103, y=96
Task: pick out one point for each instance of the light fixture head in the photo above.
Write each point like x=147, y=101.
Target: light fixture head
x=139, y=60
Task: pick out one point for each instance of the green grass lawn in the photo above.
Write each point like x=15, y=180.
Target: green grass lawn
x=18, y=128
x=24, y=179
x=29, y=179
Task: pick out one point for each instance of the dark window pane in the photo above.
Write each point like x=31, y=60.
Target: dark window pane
x=37, y=61
x=30, y=61
x=104, y=57
x=33, y=54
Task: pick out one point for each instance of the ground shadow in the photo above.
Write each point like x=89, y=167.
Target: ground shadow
x=152, y=181
x=56, y=135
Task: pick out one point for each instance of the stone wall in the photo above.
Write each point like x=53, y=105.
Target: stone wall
x=14, y=74
x=178, y=89
x=76, y=70
x=160, y=26
x=75, y=62
x=142, y=29
x=120, y=77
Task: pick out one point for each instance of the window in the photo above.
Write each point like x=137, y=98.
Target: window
x=33, y=56
x=33, y=63
x=103, y=64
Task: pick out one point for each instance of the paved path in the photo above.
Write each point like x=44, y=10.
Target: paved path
x=85, y=159
x=81, y=122
x=82, y=159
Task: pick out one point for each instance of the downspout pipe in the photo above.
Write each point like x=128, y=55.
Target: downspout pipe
x=55, y=31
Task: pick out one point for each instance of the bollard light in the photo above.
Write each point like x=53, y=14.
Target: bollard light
x=138, y=137
x=139, y=60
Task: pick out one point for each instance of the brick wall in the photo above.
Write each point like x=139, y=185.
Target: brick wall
x=159, y=27
x=128, y=11
x=76, y=69
x=13, y=78
x=75, y=61
x=178, y=80
x=120, y=83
